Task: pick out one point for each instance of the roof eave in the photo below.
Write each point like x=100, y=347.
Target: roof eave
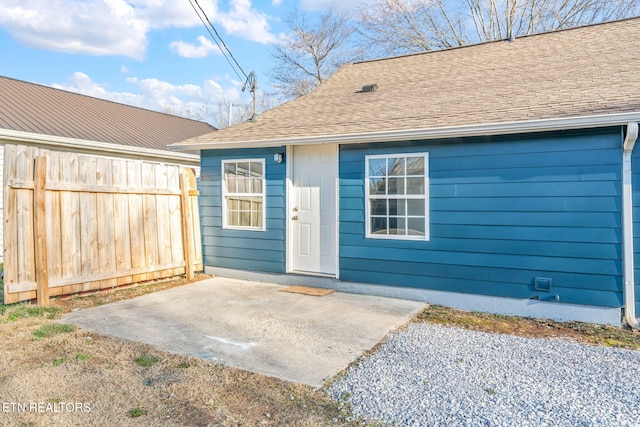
x=8, y=136
x=487, y=129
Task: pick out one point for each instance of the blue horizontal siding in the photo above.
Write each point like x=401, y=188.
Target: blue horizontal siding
x=263, y=255
x=526, y=174
x=526, y=233
x=513, y=204
x=514, y=218
x=247, y=264
x=504, y=276
x=527, y=189
x=473, y=286
x=549, y=233
x=550, y=143
x=502, y=246
x=243, y=249
x=551, y=262
x=502, y=212
x=241, y=242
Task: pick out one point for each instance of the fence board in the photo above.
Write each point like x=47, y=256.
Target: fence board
x=194, y=207
x=109, y=222
x=26, y=263
x=53, y=207
x=136, y=216
x=122, y=237
x=10, y=227
x=40, y=225
x=106, y=234
x=70, y=227
x=175, y=216
x=187, y=224
x=162, y=217
x=150, y=219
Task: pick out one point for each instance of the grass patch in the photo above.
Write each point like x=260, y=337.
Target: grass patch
x=181, y=390
x=59, y=361
x=136, y=412
x=51, y=329
x=23, y=311
x=146, y=360
x=82, y=356
x=588, y=333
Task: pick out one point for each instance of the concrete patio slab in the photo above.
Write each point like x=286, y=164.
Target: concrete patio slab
x=252, y=326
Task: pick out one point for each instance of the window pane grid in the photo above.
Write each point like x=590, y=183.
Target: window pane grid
x=243, y=192
x=396, y=194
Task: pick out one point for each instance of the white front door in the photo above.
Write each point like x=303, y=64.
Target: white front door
x=313, y=209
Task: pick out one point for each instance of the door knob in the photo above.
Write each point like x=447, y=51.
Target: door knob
x=295, y=209
x=295, y=217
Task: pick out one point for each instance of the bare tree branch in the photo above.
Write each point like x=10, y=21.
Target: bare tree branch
x=391, y=27
x=311, y=52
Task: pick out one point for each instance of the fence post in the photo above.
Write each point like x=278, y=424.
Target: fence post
x=187, y=224
x=40, y=225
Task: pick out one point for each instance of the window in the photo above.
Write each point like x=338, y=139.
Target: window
x=397, y=196
x=243, y=194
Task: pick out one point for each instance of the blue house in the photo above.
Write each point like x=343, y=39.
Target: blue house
x=497, y=177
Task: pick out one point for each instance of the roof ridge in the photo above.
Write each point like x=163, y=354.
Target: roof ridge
x=487, y=42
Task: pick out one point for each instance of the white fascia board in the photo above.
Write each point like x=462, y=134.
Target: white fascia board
x=8, y=136
x=503, y=128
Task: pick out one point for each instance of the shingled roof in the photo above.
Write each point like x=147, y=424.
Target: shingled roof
x=585, y=72
x=37, y=109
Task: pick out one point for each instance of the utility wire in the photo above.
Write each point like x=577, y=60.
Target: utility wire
x=226, y=54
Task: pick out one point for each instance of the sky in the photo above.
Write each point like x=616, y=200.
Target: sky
x=154, y=54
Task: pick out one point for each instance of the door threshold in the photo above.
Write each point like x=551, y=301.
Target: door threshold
x=313, y=273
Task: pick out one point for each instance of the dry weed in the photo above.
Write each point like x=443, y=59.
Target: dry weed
x=79, y=378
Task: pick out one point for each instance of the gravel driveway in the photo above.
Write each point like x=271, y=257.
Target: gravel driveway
x=432, y=375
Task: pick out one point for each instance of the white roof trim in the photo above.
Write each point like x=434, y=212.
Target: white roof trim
x=542, y=125
x=8, y=136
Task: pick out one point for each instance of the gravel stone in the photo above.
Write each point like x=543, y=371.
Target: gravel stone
x=433, y=375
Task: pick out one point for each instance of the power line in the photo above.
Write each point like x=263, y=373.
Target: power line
x=226, y=51
x=250, y=81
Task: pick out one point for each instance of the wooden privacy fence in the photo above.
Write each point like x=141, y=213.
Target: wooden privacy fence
x=76, y=223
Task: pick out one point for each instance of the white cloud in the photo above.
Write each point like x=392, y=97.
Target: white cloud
x=124, y=69
x=276, y=3
x=81, y=83
x=120, y=27
x=188, y=50
x=189, y=100
x=242, y=20
x=91, y=27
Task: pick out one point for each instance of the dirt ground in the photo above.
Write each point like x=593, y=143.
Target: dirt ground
x=79, y=378
x=52, y=375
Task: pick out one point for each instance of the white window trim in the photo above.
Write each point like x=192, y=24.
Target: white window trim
x=225, y=194
x=368, y=197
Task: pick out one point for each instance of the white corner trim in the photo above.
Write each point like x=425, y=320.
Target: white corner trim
x=288, y=206
x=487, y=129
x=8, y=136
x=627, y=226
